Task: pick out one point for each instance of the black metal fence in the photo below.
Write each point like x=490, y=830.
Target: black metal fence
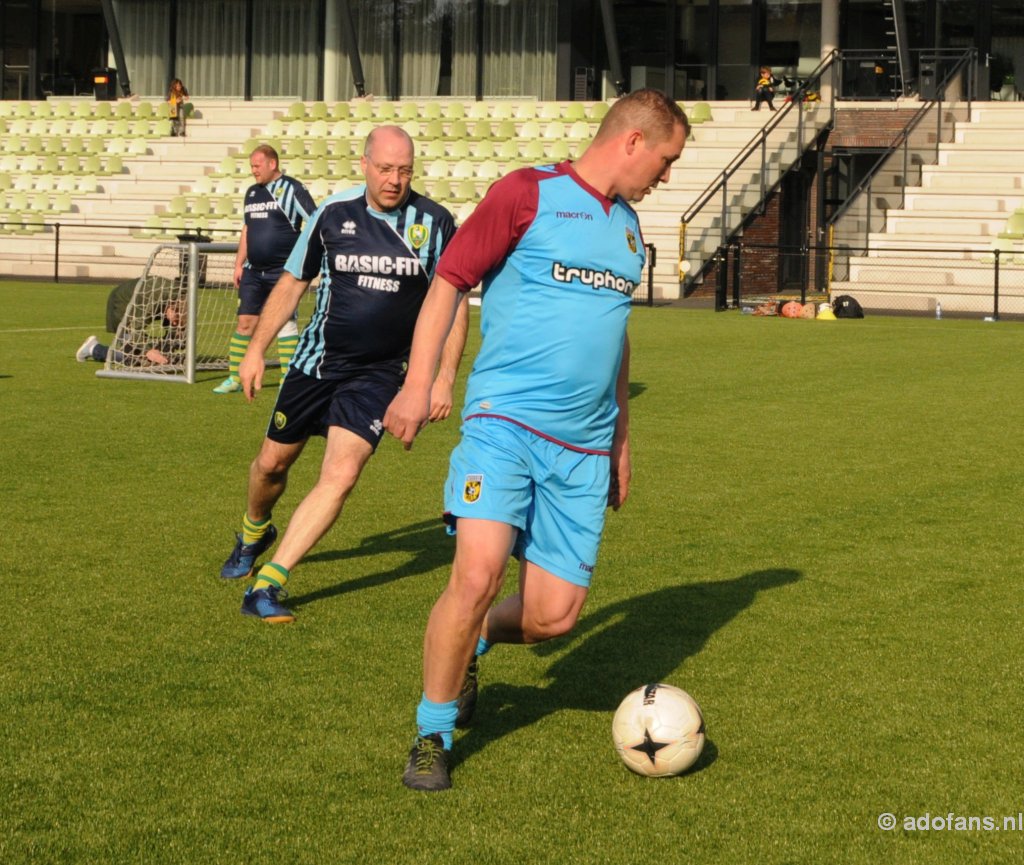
x=920, y=279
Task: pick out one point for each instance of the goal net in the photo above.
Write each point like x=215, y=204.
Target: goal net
x=180, y=317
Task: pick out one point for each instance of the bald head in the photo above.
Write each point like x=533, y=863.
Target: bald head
x=390, y=137
x=387, y=165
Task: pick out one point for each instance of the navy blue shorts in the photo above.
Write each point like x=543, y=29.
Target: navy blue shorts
x=307, y=406
x=254, y=288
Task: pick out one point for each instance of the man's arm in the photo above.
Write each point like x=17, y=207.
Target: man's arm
x=410, y=409
x=241, y=255
x=621, y=464
x=441, y=394
x=279, y=308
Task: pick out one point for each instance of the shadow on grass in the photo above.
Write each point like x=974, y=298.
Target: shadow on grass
x=636, y=388
x=425, y=541
x=616, y=649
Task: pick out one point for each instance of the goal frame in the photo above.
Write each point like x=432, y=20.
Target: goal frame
x=194, y=250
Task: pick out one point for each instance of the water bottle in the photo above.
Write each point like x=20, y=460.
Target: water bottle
x=938, y=309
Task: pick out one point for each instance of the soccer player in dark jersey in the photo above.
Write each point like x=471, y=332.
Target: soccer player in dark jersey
x=375, y=248
x=545, y=435
x=276, y=205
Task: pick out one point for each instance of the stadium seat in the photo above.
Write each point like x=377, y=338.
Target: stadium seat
x=362, y=110
x=432, y=130
x=318, y=111
x=508, y=150
x=295, y=129
x=319, y=147
x=454, y=111
x=462, y=170
x=700, y=113
x=479, y=111
x=201, y=206
x=574, y=111
x=408, y=110
x=319, y=188
x=559, y=151
x=341, y=111
x=483, y=149
x=362, y=129
x=464, y=190
x=114, y=164
x=296, y=111
x=440, y=190
x=534, y=151
x=1014, y=228
x=123, y=110
x=506, y=129
x=549, y=111
x=143, y=111
x=176, y=206
x=319, y=167
x=226, y=206
x=488, y=170
x=598, y=110
x=554, y=130
x=437, y=168
x=434, y=149
x=530, y=129
x=431, y=111
x=92, y=164
x=341, y=129
x=162, y=128
x=458, y=129
x=62, y=109
x=412, y=127
x=481, y=130
x=318, y=129
x=72, y=164
x=5, y=181
x=67, y=183
x=579, y=130
x=503, y=110
x=464, y=211
x=51, y=163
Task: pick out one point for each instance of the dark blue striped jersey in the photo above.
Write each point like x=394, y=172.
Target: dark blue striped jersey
x=374, y=270
x=273, y=219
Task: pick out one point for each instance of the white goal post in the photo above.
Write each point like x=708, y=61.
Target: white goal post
x=181, y=315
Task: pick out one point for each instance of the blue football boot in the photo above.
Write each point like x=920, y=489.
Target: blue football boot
x=262, y=603
x=243, y=557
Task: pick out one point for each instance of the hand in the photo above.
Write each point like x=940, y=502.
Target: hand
x=441, y=399
x=238, y=275
x=621, y=473
x=250, y=374
x=407, y=415
x=156, y=356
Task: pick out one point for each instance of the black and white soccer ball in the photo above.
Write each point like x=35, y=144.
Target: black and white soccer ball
x=658, y=730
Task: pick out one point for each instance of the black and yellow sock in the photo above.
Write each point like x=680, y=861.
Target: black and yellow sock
x=286, y=346
x=253, y=531
x=236, y=351
x=270, y=575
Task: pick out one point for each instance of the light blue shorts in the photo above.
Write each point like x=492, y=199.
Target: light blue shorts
x=555, y=496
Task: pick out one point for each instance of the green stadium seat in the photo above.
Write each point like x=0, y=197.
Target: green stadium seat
x=318, y=111
x=62, y=109
x=341, y=111
x=408, y=110
x=454, y=111
x=123, y=110
x=559, y=150
x=362, y=129
x=59, y=126
x=434, y=149
x=431, y=111
x=554, y=130
x=480, y=130
x=318, y=129
x=598, y=110
x=534, y=150
x=488, y=170
x=437, y=168
x=319, y=147
x=295, y=129
x=440, y=189
x=92, y=164
x=82, y=109
x=114, y=164
x=412, y=127
x=296, y=111
x=549, y=111
x=464, y=211
x=575, y=111
x=67, y=183
x=1014, y=228
x=227, y=185
x=226, y=207
x=362, y=110
x=433, y=129
x=458, y=129
x=483, y=149
x=341, y=129
x=86, y=184
x=459, y=149
x=383, y=111
x=319, y=188
x=201, y=206
x=462, y=169
x=319, y=167
x=464, y=190
x=51, y=163
x=104, y=110
x=503, y=110
x=506, y=129
x=21, y=109
x=5, y=181
x=530, y=129
x=579, y=130
x=176, y=206
x=479, y=111
x=700, y=113
x=508, y=150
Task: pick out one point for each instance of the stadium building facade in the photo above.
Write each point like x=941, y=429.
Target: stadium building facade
x=544, y=49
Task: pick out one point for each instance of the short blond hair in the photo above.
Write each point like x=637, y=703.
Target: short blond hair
x=648, y=110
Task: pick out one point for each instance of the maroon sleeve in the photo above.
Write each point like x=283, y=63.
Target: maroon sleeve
x=492, y=230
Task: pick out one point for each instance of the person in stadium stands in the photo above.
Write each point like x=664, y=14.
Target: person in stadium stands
x=545, y=446
x=152, y=335
x=276, y=206
x=178, y=107
x=375, y=247
x=764, y=90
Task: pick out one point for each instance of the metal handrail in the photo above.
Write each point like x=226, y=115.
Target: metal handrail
x=759, y=140
x=966, y=60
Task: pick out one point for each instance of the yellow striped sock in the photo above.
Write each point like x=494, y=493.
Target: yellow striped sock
x=270, y=575
x=253, y=531
x=236, y=351
x=286, y=346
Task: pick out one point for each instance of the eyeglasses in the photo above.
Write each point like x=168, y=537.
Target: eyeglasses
x=404, y=171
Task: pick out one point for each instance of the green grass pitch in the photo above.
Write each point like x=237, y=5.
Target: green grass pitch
x=822, y=546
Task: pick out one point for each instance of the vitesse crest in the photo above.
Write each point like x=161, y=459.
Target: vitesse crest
x=471, y=491
x=280, y=419
x=631, y=240
x=418, y=235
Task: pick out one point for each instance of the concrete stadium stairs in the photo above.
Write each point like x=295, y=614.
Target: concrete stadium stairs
x=102, y=237
x=938, y=247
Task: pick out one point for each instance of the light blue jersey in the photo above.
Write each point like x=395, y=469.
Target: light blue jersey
x=559, y=263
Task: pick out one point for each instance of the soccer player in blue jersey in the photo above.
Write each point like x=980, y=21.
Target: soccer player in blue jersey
x=276, y=205
x=375, y=248
x=545, y=435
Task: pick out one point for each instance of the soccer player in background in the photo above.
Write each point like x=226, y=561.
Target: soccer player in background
x=545, y=435
x=375, y=247
x=276, y=205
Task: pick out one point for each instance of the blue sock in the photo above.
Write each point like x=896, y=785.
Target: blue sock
x=482, y=647
x=437, y=718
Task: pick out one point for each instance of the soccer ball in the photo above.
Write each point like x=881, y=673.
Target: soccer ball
x=658, y=730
